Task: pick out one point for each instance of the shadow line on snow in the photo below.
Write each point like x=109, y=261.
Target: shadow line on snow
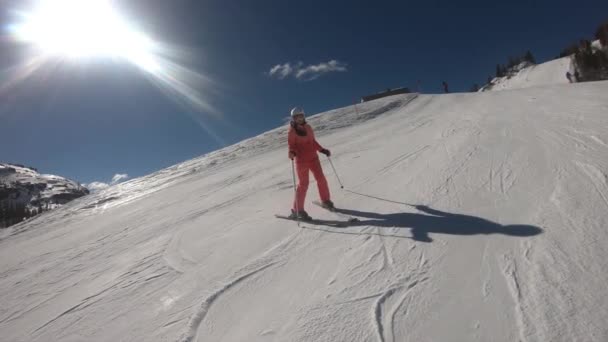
x=431, y=221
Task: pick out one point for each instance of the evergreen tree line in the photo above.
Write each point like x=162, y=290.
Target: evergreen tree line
x=601, y=34
x=590, y=64
x=12, y=213
x=502, y=69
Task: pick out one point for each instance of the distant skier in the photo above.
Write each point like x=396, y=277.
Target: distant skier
x=304, y=147
x=445, y=87
x=569, y=76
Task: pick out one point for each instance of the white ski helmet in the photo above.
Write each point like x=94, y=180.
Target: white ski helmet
x=297, y=110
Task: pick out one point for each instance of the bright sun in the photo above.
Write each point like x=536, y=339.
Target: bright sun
x=85, y=28
x=70, y=30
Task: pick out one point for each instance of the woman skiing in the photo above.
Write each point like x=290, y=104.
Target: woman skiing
x=304, y=147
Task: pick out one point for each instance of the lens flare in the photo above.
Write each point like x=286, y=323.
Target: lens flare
x=73, y=30
x=84, y=28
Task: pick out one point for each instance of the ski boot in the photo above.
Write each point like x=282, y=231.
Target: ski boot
x=300, y=215
x=329, y=205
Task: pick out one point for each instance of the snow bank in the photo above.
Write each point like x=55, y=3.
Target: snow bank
x=552, y=72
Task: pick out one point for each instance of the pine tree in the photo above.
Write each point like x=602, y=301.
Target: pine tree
x=512, y=62
x=570, y=50
x=601, y=34
x=529, y=57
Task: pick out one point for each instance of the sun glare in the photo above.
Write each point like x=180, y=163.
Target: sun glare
x=60, y=31
x=84, y=28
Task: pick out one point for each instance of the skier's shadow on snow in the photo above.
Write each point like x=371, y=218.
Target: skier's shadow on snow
x=438, y=222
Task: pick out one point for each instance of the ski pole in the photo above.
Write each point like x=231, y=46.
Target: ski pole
x=295, y=191
x=336, y=173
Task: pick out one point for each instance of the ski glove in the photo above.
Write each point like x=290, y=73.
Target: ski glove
x=325, y=152
x=291, y=155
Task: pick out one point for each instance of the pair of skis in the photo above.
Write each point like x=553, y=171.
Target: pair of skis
x=341, y=224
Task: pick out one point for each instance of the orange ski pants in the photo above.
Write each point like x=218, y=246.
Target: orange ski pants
x=303, y=169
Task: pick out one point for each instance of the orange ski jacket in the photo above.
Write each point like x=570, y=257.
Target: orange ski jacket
x=305, y=146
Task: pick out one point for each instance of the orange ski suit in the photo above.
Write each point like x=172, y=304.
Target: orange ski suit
x=305, y=147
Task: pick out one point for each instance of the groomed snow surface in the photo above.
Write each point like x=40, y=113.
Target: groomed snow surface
x=482, y=217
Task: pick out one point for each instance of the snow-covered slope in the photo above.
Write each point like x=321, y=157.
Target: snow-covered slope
x=552, y=72
x=482, y=217
x=24, y=192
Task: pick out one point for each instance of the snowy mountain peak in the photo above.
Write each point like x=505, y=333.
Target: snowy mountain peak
x=25, y=193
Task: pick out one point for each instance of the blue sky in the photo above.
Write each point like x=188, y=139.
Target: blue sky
x=89, y=120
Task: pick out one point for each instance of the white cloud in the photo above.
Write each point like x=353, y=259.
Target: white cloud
x=312, y=72
x=96, y=186
x=281, y=71
x=118, y=177
x=306, y=73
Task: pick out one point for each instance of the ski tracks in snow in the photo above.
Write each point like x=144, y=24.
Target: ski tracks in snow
x=201, y=312
x=391, y=301
x=380, y=276
x=273, y=257
x=501, y=178
x=393, y=163
x=513, y=282
x=598, y=179
x=396, y=297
